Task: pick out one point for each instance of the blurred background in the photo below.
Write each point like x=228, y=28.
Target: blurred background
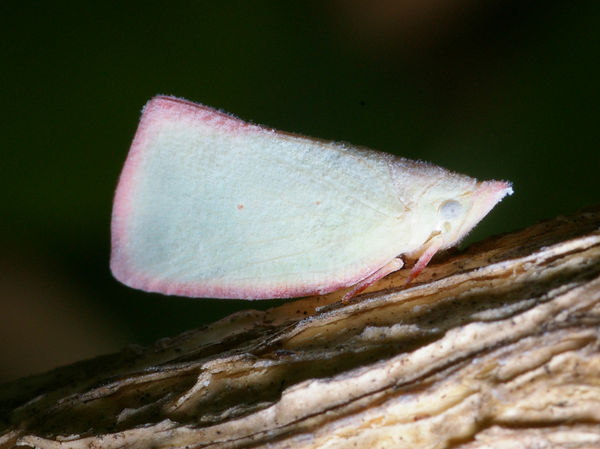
x=500, y=89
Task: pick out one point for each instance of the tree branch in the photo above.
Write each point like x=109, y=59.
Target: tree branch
x=495, y=346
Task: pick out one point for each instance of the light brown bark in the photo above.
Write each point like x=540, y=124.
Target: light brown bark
x=497, y=346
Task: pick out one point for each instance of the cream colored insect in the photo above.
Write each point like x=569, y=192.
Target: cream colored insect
x=210, y=206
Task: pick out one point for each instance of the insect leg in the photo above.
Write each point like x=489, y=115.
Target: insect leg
x=390, y=267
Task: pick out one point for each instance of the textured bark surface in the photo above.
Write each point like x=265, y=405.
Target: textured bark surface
x=497, y=346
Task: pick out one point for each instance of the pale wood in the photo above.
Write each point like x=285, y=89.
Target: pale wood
x=498, y=346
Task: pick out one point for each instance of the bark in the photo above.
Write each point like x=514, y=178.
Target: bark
x=496, y=346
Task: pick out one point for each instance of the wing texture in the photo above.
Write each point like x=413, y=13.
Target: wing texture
x=210, y=206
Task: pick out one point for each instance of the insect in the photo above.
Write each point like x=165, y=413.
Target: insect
x=208, y=205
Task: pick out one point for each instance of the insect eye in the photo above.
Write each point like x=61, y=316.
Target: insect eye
x=450, y=209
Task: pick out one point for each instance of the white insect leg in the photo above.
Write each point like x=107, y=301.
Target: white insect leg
x=433, y=248
x=390, y=267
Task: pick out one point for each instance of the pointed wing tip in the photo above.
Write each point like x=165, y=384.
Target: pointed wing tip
x=490, y=193
x=485, y=197
x=498, y=188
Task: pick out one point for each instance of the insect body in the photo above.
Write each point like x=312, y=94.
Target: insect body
x=210, y=206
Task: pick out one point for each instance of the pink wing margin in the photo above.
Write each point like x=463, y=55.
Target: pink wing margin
x=157, y=111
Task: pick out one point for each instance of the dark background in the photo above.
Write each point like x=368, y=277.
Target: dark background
x=493, y=89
